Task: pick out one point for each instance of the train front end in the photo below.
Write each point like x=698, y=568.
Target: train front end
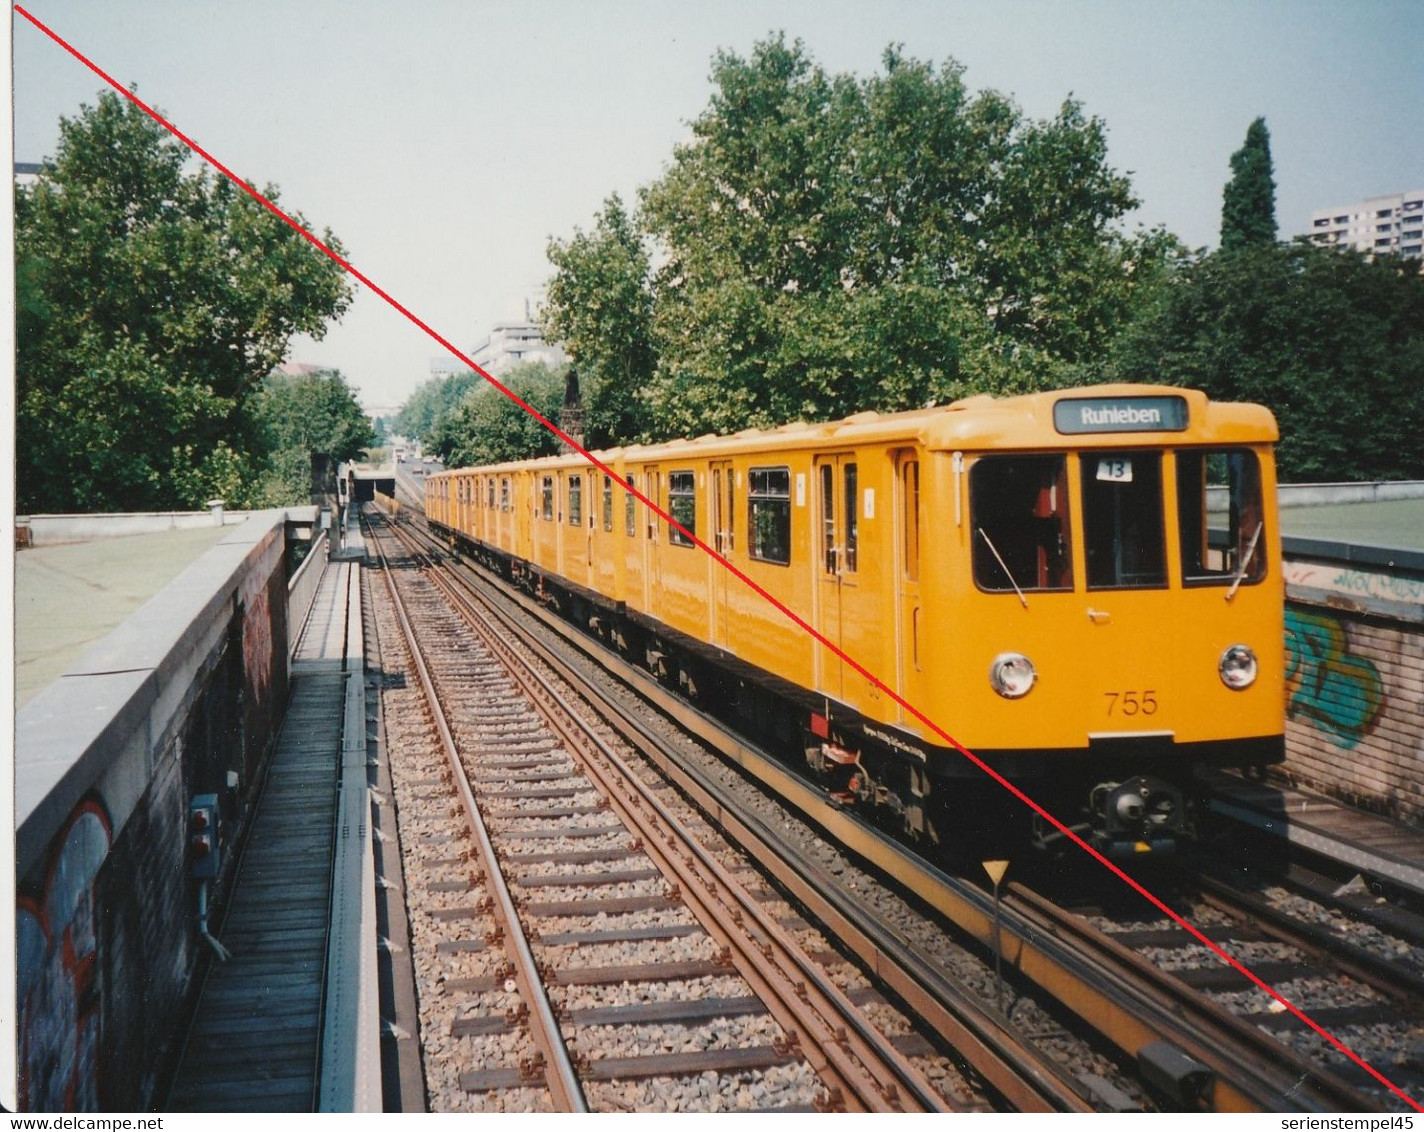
x=1116, y=617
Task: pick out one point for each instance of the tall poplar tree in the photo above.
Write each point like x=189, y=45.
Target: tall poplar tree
x=1248, y=209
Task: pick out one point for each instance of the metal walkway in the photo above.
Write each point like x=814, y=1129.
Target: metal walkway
x=268, y=1025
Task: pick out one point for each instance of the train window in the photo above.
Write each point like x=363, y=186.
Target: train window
x=607, y=502
x=910, y=500
x=722, y=508
x=547, y=500
x=490, y=483
x=575, y=500
x=852, y=530
x=1220, y=516
x=682, y=506
x=729, y=535
x=1019, y=509
x=504, y=504
x=655, y=498
x=828, y=518
x=630, y=506
x=769, y=514
x=1122, y=519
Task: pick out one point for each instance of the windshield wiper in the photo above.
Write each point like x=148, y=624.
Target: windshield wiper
x=1245, y=561
x=1002, y=565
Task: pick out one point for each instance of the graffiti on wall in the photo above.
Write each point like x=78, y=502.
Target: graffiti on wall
x=257, y=645
x=1390, y=586
x=1326, y=685
x=58, y=969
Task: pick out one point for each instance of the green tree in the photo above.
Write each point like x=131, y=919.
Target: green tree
x=1331, y=341
x=1248, y=207
x=151, y=304
x=599, y=305
x=431, y=401
x=828, y=244
x=303, y=415
x=487, y=427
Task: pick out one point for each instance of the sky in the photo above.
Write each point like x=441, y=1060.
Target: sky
x=444, y=143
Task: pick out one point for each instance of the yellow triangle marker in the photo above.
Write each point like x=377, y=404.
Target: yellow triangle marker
x=996, y=870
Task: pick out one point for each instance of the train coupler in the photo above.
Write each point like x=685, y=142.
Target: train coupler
x=1139, y=816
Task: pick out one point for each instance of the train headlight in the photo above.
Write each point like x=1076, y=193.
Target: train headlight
x=1012, y=675
x=1238, y=667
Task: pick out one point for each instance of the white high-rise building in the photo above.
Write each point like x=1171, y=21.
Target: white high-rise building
x=511, y=343
x=1387, y=225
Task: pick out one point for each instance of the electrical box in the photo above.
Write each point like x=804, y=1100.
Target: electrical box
x=204, y=850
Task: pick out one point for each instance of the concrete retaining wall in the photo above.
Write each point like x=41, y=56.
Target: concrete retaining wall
x=1324, y=494
x=50, y=530
x=184, y=698
x=1318, y=494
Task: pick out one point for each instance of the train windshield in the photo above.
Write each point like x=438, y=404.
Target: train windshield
x=1221, y=517
x=1122, y=520
x=1019, y=506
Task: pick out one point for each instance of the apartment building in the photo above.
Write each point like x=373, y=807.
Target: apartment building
x=1385, y=225
x=510, y=343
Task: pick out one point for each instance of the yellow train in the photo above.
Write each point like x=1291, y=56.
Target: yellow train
x=1082, y=587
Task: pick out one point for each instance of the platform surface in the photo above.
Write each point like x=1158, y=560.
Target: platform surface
x=1397, y=523
x=71, y=596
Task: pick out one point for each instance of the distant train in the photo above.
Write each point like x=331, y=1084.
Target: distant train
x=1082, y=587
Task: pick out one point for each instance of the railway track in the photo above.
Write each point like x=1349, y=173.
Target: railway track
x=584, y=944
x=1363, y=989
x=1177, y=1047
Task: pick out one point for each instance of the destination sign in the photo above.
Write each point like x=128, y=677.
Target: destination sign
x=1120, y=414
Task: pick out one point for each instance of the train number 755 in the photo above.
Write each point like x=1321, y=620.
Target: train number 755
x=1132, y=703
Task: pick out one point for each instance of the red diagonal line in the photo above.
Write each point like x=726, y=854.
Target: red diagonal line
x=795, y=618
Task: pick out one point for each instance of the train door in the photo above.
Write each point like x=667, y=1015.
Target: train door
x=723, y=508
x=907, y=576
x=652, y=558
x=837, y=562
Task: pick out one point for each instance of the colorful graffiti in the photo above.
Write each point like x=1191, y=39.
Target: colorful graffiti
x=1340, y=693
x=58, y=971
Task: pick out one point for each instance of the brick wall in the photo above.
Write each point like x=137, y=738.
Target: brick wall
x=1355, y=706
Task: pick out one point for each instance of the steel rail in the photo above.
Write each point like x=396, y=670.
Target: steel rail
x=559, y=1071
x=1388, y=978
x=1207, y=1030
x=1027, y=1080
x=1097, y=992
x=859, y=1064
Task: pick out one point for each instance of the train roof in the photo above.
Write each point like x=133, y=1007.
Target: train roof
x=1087, y=416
